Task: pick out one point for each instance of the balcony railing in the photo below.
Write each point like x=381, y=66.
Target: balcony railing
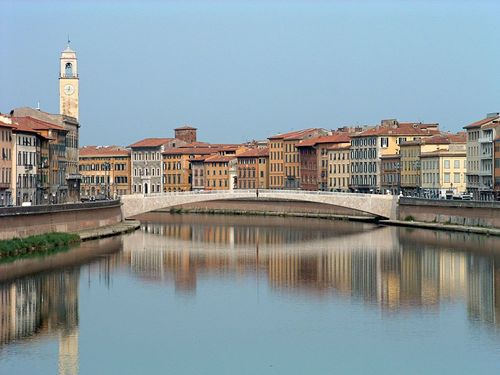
x=488, y=139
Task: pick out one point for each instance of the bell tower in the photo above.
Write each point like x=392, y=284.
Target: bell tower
x=68, y=83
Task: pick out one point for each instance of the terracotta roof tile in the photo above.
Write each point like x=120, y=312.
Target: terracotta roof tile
x=190, y=151
x=479, y=123
x=151, y=142
x=333, y=138
x=295, y=134
x=5, y=125
x=36, y=124
x=220, y=158
x=400, y=129
x=103, y=151
x=254, y=153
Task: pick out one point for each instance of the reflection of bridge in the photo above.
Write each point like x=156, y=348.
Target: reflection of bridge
x=378, y=205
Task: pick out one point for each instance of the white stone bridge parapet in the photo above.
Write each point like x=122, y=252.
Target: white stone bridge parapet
x=383, y=206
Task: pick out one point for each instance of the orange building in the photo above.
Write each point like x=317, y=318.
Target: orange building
x=218, y=174
x=177, y=168
x=284, y=160
x=5, y=163
x=253, y=169
x=313, y=156
x=105, y=171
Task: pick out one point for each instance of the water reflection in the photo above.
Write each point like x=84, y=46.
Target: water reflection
x=43, y=306
x=395, y=268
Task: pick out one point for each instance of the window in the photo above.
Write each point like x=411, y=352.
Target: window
x=456, y=164
x=456, y=178
x=384, y=142
x=447, y=177
x=68, y=70
x=447, y=164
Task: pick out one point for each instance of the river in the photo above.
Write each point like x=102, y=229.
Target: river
x=208, y=294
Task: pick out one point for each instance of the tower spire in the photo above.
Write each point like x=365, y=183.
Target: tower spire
x=69, y=41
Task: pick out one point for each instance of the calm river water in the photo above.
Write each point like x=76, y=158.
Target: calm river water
x=196, y=294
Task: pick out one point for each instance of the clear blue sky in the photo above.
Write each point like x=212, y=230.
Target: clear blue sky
x=247, y=70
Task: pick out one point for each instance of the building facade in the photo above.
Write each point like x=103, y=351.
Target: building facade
x=444, y=172
x=496, y=145
x=26, y=165
x=390, y=173
x=369, y=146
x=105, y=172
x=147, y=164
x=314, y=159
x=253, y=169
x=219, y=173
x=284, y=160
x=6, y=146
x=339, y=165
x=480, y=135
x=410, y=152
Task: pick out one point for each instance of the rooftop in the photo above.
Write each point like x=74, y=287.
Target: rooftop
x=36, y=124
x=298, y=134
x=482, y=122
x=104, y=151
x=254, y=153
x=220, y=159
x=402, y=128
x=151, y=142
x=333, y=138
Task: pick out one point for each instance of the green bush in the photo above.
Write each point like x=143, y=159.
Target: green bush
x=409, y=218
x=38, y=243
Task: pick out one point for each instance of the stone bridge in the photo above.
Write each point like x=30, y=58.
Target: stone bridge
x=382, y=206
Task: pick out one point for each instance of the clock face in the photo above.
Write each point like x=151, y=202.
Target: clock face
x=68, y=89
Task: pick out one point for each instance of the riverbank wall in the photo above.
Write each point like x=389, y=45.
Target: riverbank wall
x=71, y=217
x=450, y=212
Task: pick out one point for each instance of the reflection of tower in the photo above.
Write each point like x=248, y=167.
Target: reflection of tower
x=68, y=352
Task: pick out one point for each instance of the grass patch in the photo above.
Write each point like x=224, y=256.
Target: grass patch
x=409, y=218
x=43, y=243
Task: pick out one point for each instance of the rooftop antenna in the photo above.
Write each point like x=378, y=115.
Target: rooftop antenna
x=38, y=105
x=69, y=41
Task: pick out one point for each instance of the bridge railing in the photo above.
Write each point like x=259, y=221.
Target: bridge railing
x=254, y=191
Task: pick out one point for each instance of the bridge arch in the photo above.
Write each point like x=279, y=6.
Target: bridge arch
x=383, y=206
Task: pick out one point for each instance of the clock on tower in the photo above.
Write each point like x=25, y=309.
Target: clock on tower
x=68, y=83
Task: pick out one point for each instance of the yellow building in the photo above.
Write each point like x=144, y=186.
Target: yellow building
x=284, y=160
x=105, y=171
x=444, y=171
x=339, y=164
x=410, y=152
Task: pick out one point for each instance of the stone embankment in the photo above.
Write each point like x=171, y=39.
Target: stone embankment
x=125, y=226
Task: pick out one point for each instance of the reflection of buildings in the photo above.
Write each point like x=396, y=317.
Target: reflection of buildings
x=380, y=266
x=43, y=305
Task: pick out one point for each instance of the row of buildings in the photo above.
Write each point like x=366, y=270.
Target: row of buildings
x=393, y=157
x=41, y=162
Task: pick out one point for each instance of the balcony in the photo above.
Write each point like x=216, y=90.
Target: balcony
x=486, y=155
x=4, y=185
x=485, y=139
